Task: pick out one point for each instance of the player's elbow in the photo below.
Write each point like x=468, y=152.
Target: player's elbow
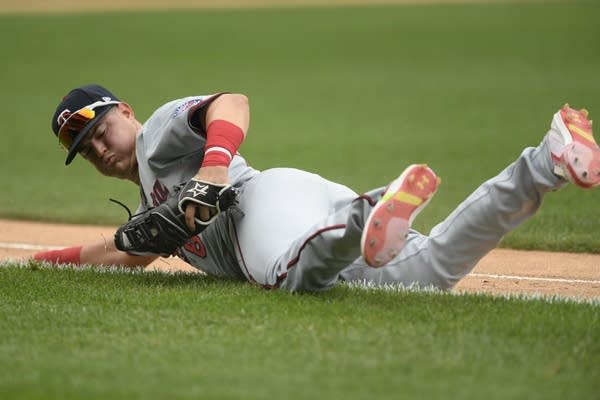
x=231, y=107
x=239, y=101
x=236, y=109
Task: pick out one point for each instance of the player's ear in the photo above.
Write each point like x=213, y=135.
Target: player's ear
x=126, y=110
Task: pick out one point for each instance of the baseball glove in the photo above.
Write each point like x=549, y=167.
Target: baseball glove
x=161, y=230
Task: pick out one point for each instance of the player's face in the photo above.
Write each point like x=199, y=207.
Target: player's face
x=110, y=147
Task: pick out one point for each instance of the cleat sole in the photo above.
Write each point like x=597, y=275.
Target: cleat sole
x=387, y=227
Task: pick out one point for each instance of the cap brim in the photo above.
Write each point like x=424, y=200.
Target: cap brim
x=84, y=132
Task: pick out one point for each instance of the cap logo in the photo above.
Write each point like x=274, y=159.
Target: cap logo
x=106, y=98
x=63, y=116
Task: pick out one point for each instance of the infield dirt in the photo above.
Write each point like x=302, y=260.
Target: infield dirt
x=503, y=271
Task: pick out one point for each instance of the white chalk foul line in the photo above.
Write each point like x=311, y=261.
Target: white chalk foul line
x=26, y=246
x=532, y=278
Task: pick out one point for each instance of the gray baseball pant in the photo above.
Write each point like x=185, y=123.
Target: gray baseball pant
x=316, y=240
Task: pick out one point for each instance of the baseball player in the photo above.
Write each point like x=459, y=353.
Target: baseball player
x=286, y=228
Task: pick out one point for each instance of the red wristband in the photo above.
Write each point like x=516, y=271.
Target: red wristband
x=70, y=255
x=222, y=141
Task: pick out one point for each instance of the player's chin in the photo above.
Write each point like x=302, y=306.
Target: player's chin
x=122, y=168
x=113, y=170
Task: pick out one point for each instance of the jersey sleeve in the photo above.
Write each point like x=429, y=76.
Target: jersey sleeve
x=195, y=114
x=175, y=130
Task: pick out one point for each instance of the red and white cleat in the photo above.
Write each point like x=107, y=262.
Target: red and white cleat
x=388, y=224
x=574, y=150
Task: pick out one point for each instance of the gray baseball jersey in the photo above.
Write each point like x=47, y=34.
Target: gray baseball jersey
x=298, y=231
x=169, y=150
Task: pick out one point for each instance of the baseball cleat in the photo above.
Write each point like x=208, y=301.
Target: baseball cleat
x=388, y=224
x=574, y=150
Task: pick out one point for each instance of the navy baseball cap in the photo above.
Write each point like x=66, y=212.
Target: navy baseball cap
x=78, y=112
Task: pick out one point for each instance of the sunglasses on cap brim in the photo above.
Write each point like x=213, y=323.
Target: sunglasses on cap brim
x=75, y=123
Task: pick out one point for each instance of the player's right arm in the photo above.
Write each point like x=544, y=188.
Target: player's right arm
x=225, y=123
x=99, y=253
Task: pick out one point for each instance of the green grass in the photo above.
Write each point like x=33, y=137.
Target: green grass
x=87, y=334
x=355, y=94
